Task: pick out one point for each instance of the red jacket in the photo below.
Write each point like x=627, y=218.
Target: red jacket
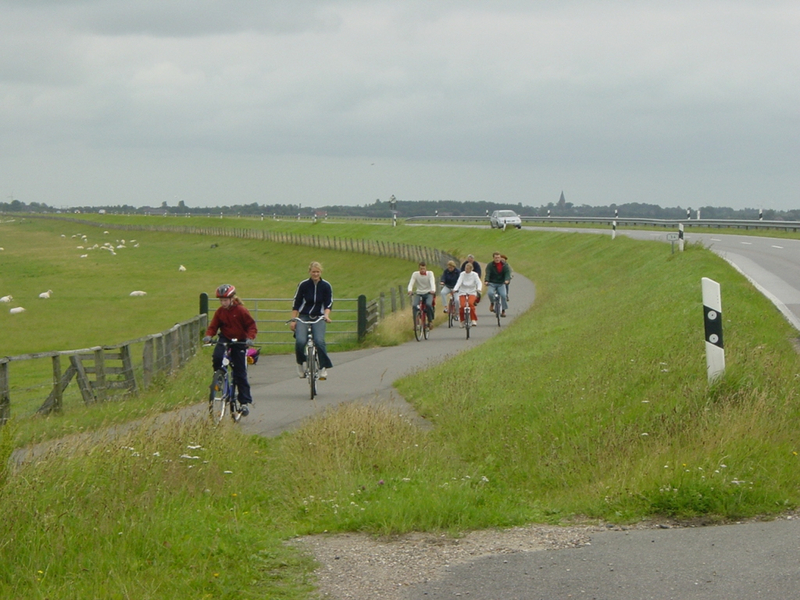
x=233, y=322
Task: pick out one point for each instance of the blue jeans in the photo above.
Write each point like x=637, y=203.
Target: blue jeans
x=239, y=368
x=428, y=305
x=318, y=335
x=495, y=289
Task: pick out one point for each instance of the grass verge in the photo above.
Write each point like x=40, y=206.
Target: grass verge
x=594, y=405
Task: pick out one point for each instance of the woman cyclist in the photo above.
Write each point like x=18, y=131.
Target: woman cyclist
x=448, y=281
x=313, y=298
x=468, y=287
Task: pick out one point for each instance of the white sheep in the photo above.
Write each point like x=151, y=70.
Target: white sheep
x=84, y=256
x=138, y=293
x=16, y=310
x=181, y=268
x=6, y=299
x=46, y=294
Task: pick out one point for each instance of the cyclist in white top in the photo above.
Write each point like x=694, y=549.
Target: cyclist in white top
x=468, y=287
x=425, y=284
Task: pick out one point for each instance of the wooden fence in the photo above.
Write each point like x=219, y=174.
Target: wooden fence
x=106, y=371
x=410, y=252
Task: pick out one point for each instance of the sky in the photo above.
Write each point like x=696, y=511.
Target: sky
x=343, y=102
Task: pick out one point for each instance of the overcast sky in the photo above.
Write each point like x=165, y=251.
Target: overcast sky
x=312, y=102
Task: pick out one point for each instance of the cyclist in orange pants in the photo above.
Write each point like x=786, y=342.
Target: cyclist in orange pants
x=468, y=287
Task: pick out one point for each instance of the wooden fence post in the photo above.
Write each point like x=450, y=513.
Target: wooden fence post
x=381, y=303
x=127, y=369
x=58, y=391
x=5, y=397
x=100, y=375
x=83, y=381
x=394, y=300
x=362, y=317
x=161, y=361
x=147, y=362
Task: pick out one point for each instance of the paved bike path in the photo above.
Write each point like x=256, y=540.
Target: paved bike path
x=281, y=399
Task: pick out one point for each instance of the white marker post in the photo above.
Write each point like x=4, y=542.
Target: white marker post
x=680, y=237
x=613, y=230
x=712, y=319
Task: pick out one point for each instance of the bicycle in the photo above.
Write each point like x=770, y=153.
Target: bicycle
x=222, y=395
x=496, y=300
x=421, y=325
x=452, y=315
x=312, y=356
x=467, y=317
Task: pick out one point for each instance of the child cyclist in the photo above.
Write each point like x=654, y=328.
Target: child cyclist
x=233, y=322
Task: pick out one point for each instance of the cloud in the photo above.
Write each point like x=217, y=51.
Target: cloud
x=595, y=97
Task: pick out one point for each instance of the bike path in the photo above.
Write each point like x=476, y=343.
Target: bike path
x=281, y=399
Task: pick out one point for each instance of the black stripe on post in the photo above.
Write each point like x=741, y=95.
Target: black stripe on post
x=712, y=320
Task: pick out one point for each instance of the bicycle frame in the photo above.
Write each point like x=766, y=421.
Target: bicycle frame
x=496, y=299
x=452, y=315
x=222, y=395
x=312, y=355
x=420, y=315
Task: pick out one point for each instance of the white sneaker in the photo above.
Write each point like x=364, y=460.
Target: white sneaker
x=301, y=372
x=474, y=323
x=323, y=373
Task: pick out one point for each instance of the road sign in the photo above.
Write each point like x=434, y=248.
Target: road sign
x=672, y=237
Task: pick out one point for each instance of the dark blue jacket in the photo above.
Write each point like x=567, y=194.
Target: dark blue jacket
x=449, y=278
x=312, y=299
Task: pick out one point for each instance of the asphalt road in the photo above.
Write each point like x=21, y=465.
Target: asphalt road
x=733, y=562
x=281, y=399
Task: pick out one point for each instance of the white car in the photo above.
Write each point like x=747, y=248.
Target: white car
x=501, y=219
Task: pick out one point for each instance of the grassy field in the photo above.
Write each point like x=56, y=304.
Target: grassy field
x=91, y=303
x=594, y=406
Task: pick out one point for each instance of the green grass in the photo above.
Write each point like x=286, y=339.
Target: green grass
x=593, y=406
x=91, y=303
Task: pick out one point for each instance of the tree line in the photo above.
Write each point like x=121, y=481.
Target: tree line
x=409, y=208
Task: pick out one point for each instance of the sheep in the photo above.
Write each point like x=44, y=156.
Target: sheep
x=138, y=293
x=84, y=256
x=6, y=299
x=181, y=268
x=16, y=310
x=46, y=294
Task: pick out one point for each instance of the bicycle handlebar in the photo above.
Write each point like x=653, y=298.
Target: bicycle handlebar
x=317, y=320
x=233, y=342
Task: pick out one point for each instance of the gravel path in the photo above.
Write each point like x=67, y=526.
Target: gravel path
x=362, y=567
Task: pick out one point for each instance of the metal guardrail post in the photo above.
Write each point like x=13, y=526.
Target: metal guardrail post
x=362, y=317
x=203, y=303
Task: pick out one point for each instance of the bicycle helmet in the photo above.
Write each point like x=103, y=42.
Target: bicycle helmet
x=226, y=291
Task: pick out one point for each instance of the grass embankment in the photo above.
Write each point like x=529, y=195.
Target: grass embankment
x=594, y=404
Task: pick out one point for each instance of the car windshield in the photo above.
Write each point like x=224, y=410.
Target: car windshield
x=506, y=213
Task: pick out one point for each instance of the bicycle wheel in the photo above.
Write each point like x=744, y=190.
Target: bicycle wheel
x=467, y=320
x=451, y=313
x=217, y=399
x=313, y=372
x=497, y=308
x=426, y=327
x=418, y=324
